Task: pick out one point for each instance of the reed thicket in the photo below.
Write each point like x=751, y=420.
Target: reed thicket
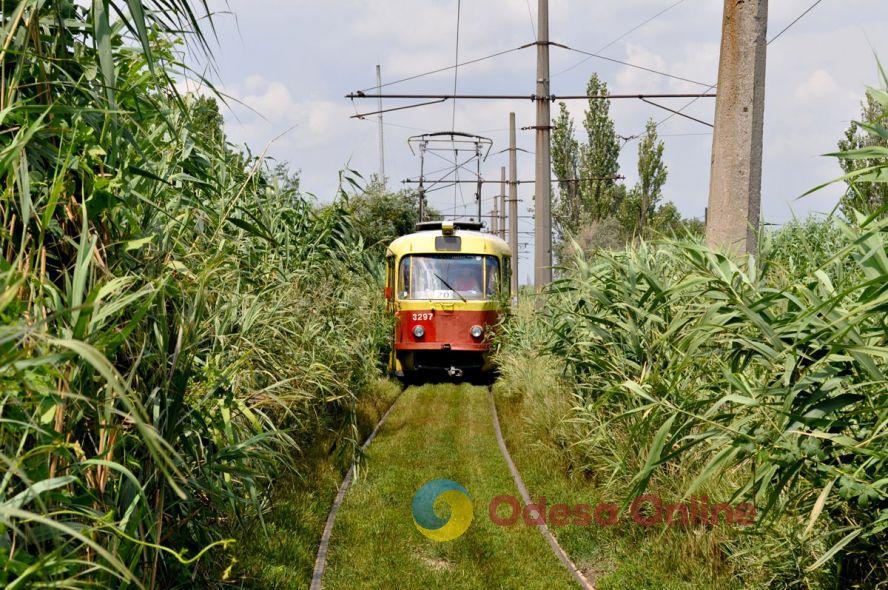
x=179, y=326
x=680, y=370
x=761, y=380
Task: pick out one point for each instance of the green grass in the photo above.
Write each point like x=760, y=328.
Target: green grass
x=440, y=431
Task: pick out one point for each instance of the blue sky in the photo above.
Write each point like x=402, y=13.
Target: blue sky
x=290, y=62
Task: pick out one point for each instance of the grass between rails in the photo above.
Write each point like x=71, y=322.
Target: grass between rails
x=435, y=431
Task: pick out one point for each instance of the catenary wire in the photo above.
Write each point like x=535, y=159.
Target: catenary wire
x=458, y=187
x=533, y=26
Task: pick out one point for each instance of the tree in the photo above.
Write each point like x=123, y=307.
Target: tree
x=205, y=117
x=601, y=213
x=380, y=216
x=641, y=205
x=566, y=165
x=599, y=157
x=865, y=197
x=285, y=181
x=580, y=203
x=652, y=172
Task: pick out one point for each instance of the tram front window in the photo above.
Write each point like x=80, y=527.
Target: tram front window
x=450, y=276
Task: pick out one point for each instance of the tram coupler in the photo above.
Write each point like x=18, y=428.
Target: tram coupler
x=454, y=372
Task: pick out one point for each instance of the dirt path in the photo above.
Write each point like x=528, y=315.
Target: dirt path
x=435, y=432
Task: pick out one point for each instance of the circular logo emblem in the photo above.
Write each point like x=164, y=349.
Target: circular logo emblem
x=451, y=495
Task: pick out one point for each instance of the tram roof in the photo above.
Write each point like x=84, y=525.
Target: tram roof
x=472, y=242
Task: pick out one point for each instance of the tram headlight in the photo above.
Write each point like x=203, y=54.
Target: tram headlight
x=418, y=331
x=476, y=331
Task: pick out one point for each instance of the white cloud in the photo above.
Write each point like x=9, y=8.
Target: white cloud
x=819, y=85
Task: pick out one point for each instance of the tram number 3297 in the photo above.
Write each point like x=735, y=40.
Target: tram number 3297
x=421, y=317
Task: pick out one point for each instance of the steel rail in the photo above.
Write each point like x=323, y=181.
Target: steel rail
x=519, y=483
x=320, y=565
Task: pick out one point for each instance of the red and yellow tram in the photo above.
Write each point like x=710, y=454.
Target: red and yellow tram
x=447, y=284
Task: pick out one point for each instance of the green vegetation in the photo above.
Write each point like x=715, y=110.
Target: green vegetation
x=671, y=369
x=863, y=148
x=181, y=328
x=434, y=432
x=687, y=373
x=380, y=216
x=279, y=551
x=190, y=354
x=535, y=406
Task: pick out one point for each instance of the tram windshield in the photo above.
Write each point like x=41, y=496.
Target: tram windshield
x=448, y=276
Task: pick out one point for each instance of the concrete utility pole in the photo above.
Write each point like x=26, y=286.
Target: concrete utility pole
x=513, y=203
x=543, y=184
x=502, y=204
x=381, y=142
x=735, y=188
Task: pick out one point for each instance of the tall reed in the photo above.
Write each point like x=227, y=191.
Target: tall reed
x=178, y=326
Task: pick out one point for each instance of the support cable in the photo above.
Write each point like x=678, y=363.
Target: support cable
x=681, y=110
x=637, y=67
x=444, y=69
x=792, y=24
x=675, y=112
x=621, y=37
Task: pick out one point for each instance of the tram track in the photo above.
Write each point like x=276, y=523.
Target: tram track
x=320, y=565
x=560, y=553
x=449, y=422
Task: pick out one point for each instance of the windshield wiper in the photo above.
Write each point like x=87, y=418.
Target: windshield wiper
x=446, y=284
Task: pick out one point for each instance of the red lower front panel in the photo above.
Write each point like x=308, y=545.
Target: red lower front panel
x=444, y=330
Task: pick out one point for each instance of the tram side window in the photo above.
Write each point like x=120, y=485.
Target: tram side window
x=390, y=276
x=507, y=274
x=405, y=278
x=492, y=276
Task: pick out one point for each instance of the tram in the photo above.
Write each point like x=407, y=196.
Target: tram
x=446, y=285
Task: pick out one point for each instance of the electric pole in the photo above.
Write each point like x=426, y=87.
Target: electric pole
x=422, y=150
x=735, y=187
x=478, y=176
x=494, y=218
x=502, y=204
x=543, y=184
x=513, y=203
x=381, y=142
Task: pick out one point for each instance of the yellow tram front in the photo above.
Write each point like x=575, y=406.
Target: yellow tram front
x=446, y=284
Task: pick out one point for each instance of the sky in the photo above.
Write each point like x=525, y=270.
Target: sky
x=287, y=64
